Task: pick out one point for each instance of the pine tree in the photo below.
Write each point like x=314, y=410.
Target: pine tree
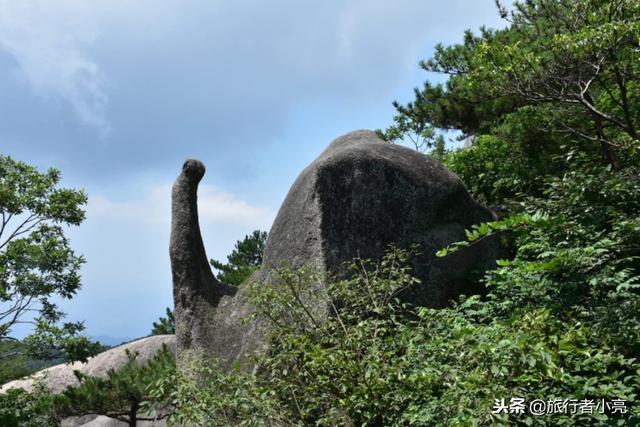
x=121, y=395
x=244, y=260
x=165, y=325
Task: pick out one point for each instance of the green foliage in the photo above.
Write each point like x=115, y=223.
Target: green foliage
x=65, y=338
x=165, y=325
x=243, y=260
x=37, y=265
x=422, y=135
x=572, y=65
x=495, y=171
x=378, y=361
x=14, y=365
x=203, y=394
x=548, y=99
x=19, y=408
x=121, y=395
x=577, y=262
x=580, y=54
x=460, y=103
x=309, y=360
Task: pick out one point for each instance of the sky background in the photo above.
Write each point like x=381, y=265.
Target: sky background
x=117, y=94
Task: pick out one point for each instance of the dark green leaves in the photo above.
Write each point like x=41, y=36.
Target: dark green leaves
x=37, y=263
x=24, y=189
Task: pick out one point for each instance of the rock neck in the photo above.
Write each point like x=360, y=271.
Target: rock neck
x=196, y=291
x=189, y=263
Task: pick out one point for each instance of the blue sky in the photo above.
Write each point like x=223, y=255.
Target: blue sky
x=117, y=94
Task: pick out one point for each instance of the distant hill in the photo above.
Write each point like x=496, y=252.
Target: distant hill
x=56, y=357
x=20, y=365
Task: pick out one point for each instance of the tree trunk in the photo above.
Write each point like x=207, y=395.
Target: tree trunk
x=133, y=414
x=607, y=152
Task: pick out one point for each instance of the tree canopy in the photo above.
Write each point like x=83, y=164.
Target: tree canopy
x=37, y=263
x=567, y=70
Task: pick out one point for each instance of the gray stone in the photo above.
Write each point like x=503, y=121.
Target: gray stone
x=196, y=292
x=358, y=197
x=58, y=378
x=362, y=194
x=104, y=421
x=92, y=421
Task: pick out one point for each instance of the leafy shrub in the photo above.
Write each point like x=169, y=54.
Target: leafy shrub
x=21, y=408
x=377, y=361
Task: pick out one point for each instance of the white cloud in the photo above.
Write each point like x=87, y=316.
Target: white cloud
x=217, y=206
x=48, y=41
x=215, y=79
x=214, y=206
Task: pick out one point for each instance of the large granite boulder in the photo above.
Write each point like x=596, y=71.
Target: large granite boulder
x=358, y=197
x=362, y=194
x=58, y=378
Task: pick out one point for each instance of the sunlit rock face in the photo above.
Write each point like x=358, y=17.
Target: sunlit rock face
x=57, y=378
x=358, y=197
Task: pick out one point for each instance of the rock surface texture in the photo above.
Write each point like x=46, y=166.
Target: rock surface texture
x=58, y=378
x=358, y=197
x=362, y=194
x=102, y=421
x=196, y=291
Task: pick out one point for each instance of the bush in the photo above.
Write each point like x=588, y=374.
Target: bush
x=378, y=361
x=24, y=409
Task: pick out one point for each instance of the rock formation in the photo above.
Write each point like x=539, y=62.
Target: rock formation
x=57, y=378
x=360, y=195
x=196, y=291
x=103, y=421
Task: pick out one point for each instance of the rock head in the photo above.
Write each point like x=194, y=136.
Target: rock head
x=357, y=198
